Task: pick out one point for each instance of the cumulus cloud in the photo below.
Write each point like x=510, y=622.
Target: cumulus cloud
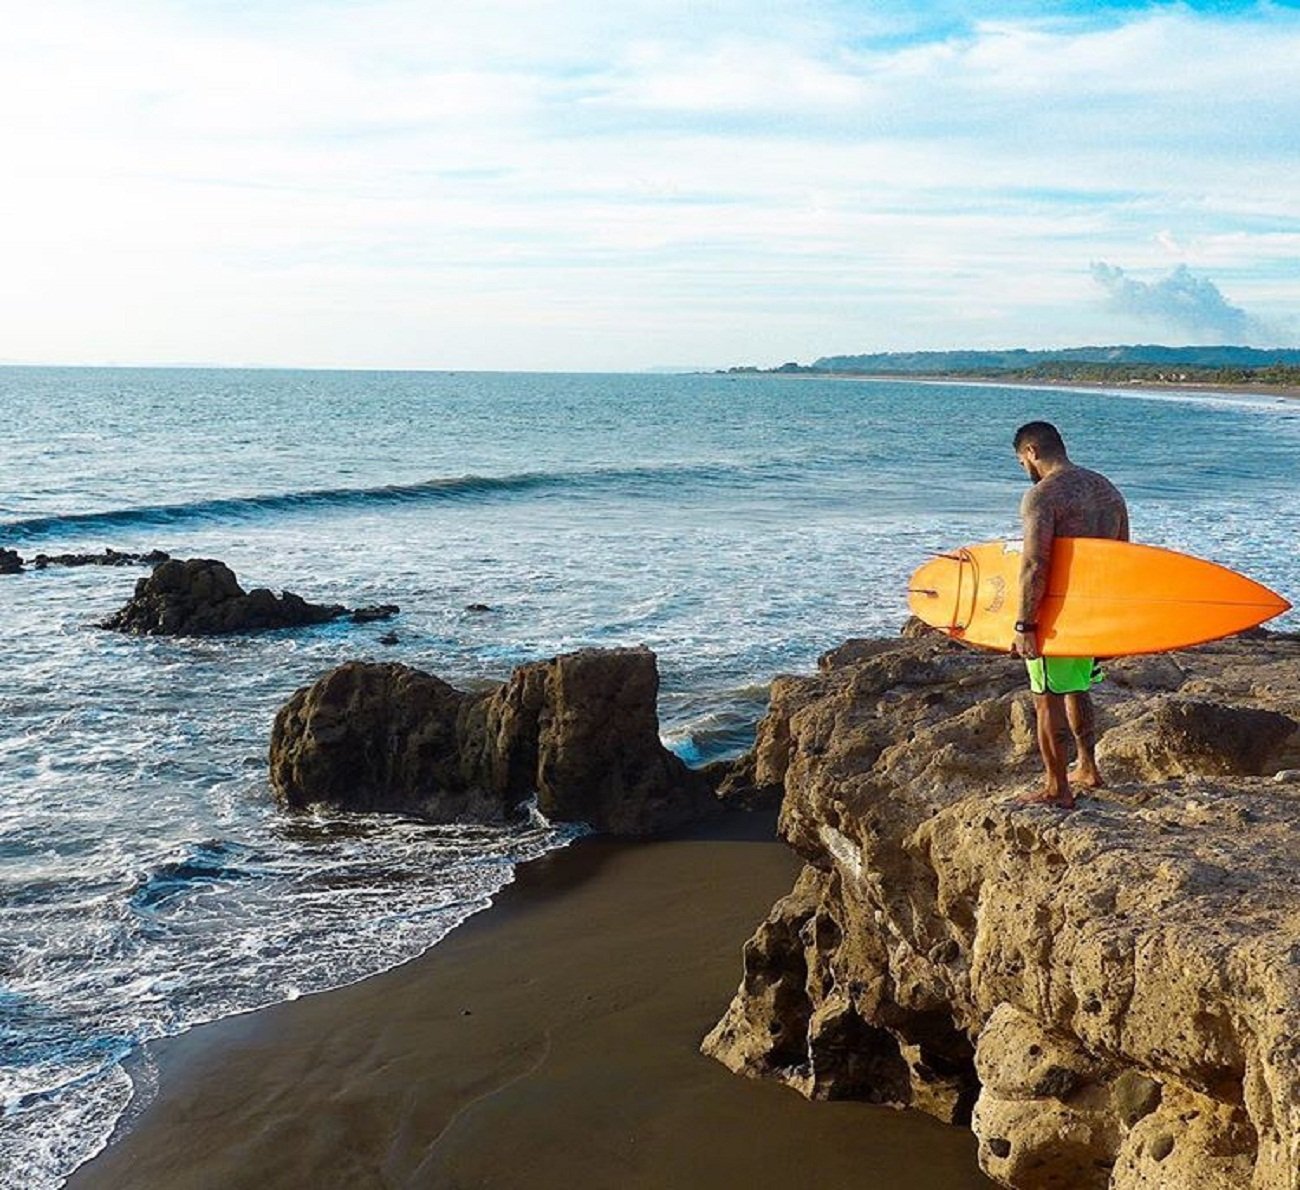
x=1184, y=302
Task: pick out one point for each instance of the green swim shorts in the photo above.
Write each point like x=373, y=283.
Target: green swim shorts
x=1063, y=675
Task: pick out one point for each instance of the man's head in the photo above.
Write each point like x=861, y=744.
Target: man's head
x=1039, y=447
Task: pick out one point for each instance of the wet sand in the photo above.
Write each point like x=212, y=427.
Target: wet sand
x=549, y=1042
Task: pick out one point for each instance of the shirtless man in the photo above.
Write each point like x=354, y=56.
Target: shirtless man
x=1065, y=501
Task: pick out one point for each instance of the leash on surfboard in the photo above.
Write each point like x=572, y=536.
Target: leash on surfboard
x=964, y=558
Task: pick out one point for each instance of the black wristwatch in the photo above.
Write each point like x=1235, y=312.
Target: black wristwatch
x=1025, y=626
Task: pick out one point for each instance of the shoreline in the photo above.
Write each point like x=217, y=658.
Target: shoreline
x=1188, y=388
x=549, y=1041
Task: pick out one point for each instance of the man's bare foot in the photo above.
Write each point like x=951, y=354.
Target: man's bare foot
x=1087, y=776
x=1045, y=797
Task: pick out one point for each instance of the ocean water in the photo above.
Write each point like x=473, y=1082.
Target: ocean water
x=737, y=525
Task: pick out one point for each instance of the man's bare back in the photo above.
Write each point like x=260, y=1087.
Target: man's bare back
x=1074, y=502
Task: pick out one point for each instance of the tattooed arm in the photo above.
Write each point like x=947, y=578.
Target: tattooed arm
x=1039, y=528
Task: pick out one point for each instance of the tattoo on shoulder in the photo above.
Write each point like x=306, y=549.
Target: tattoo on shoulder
x=1081, y=502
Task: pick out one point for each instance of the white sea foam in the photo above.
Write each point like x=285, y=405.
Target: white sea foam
x=207, y=931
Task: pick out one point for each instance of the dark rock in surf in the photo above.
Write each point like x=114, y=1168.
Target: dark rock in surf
x=366, y=615
x=579, y=732
x=10, y=562
x=202, y=597
x=380, y=737
x=110, y=557
x=599, y=756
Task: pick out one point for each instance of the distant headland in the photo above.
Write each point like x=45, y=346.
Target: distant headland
x=1141, y=364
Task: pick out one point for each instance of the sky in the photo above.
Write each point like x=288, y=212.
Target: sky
x=564, y=185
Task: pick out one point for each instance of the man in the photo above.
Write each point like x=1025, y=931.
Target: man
x=1065, y=501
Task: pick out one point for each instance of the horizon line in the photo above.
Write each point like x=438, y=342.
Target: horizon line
x=649, y=369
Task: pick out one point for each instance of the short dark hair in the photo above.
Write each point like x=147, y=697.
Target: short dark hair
x=1041, y=435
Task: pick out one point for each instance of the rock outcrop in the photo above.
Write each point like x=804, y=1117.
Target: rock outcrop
x=1110, y=997
x=202, y=597
x=579, y=732
x=109, y=557
x=11, y=562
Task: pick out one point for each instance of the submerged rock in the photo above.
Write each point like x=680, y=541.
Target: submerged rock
x=579, y=732
x=367, y=615
x=11, y=562
x=110, y=557
x=1110, y=997
x=202, y=597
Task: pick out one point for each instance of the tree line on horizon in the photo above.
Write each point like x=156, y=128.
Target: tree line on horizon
x=1224, y=364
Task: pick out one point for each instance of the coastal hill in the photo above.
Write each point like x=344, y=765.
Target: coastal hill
x=1145, y=363
x=923, y=362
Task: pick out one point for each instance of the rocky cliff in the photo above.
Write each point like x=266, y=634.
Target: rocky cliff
x=1109, y=997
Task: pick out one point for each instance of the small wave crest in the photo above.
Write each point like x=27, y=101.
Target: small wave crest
x=466, y=487
x=458, y=488
x=720, y=726
x=203, y=868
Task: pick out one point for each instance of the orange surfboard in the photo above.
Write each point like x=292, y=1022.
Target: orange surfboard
x=1104, y=598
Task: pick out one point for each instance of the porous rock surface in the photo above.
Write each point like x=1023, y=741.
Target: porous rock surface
x=1110, y=997
x=579, y=732
x=202, y=597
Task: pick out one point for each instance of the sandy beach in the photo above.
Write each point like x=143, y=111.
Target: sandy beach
x=1151, y=386
x=551, y=1041
x=1283, y=391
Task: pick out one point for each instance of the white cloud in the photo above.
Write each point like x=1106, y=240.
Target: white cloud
x=1186, y=303
x=486, y=185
